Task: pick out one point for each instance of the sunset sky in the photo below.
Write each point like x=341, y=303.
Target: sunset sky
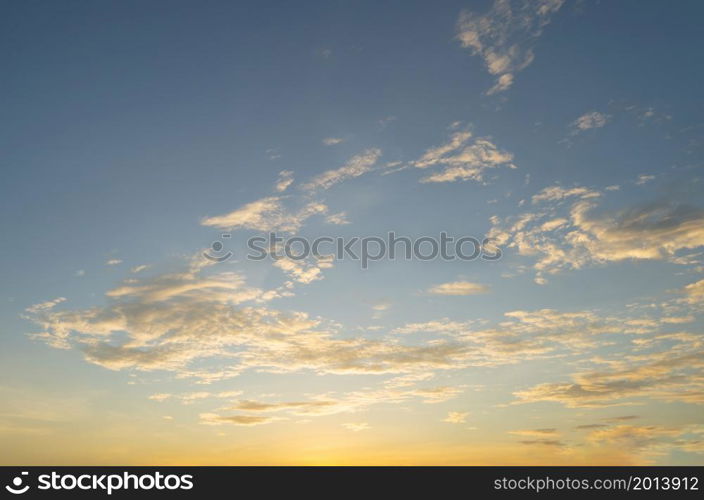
x=136, y=134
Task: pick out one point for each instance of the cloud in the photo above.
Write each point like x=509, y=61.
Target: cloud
x=587, y=121
x=557, y=193
x=273, y=154
x=695, y=292
x=339, y=218
x=139, y=269
x=444, y=326
x=528, y=335
x=331, y=141
x=176, y=321
x=675, y=374
x=304, y=271
x=538, y=433
x=571, y=236
x=267, y=214
x=191, y=397
x=544, y=442
x=436, y=394
x=207, y=325
x=113, y=262
x=650, y=440
x=319, y=407
x=356, y=426
x=458, y=288
x=503, y=83
x=284, y=181
x=456, y=417
x=246, y=420
x=356, y=166
x=623, y=418
x=463, y=158
x=351, y=402
x=644, y=179
x=44, y=307
x=505, y=35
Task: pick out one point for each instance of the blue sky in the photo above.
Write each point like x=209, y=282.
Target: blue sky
x=129, y=125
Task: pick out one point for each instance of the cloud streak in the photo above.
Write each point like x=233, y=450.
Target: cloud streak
x=504, y=37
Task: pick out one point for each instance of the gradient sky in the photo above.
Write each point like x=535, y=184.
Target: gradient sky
x=134, y=134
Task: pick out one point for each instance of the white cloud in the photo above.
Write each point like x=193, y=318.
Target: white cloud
x=504, y=82
x=557, y=193
x=504, y=36
x=356, y=426
x=695, y=292
x=456, y=417
x=644, y=179
x=45, y=306
x=284, y=181
x=244, y=420
x=304, y=271
x=175, y=321
x=463, y=159
x=593, y=119
x=672, y=374
x=332, y=141
x=339, y=218
x=356, y=166
x=266, y=214
x=570, y=236
x=536, y=433
x=458, y=288
x=113, y=262
x=191, y=397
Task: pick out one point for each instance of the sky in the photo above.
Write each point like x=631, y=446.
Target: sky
x=144, y=144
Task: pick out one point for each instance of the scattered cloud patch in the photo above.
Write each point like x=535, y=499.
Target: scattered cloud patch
x=356, y=426
x=356, y=166
x=504, y=36
x=284, y=181
x=588, y=121
x=463, y=158
x=458, y=288
x=332, y=141
x=267, y=214
x=456, y=417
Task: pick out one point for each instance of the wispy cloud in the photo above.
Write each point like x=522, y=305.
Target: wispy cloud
x=456, y=417
x=284, y=181
x=266, y=214
x=590, y=120
x=245, y=420
x=539, y=433
x=458, y=288
x=332, y=141
x=356, y=426
x=463, y=158
x=573, y=235
x=356, y=166
x=644, y=179
x=505, y=35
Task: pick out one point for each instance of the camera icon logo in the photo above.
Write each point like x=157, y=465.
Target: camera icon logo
x=16, y=487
